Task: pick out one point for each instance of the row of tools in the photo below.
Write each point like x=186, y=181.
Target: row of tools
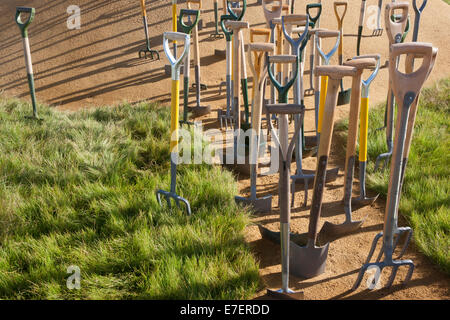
x=285, y=71
x=279, y=61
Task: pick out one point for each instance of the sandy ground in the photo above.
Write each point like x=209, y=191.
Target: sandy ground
x=98, y=64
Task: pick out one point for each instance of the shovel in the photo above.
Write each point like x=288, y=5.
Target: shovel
x=395, y=34
x=310, y=260
x=362, y=199
x=23, y=25
x=313, y=20
x=264, y=204
x=344, y=95
x=349, y=225
x=147, y=40
x=176, y=64
x=406, y=88
x=286, y=149
x=187, y=60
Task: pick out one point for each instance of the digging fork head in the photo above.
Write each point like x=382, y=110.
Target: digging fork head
x=395, y=264
x=377, y=32
x=178, y=200
x=216, y=36
x=150, y=52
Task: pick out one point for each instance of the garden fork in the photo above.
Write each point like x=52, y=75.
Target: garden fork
x=406, y=88
x=176, y=65
x=147, y=48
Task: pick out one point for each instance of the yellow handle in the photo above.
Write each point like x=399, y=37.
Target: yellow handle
x=323, y=96
x=174, y=116
x=144, y=12
x=363, y=126
x=174, y=17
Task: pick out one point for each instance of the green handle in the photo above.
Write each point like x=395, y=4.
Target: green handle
x=231, y=12
x=23, y=25
x=282, y=90
x=228, y=33
x=188, y=12
x=311, y=18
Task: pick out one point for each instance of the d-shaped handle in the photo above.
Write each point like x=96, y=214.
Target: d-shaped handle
x=232, y=13
x=283, y=90
x=338, y=17
x=327, y=34
x=410, y=82
x=191, y=13
x=258, y=47
x=319, y=12
x=295, y=19
x=422, y=7
x=269, y=14
x=228, y=32
x=175, y=62
x=395, y=27
x=366, y=83
x=23, y=25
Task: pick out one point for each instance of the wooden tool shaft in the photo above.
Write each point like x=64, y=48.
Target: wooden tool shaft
x=322, y=158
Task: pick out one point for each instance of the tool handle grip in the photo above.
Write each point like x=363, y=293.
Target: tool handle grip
x=241, y=14
x=261, y=47
x=23, y=25
x=285, y=108
x=236, y=26
x=259, y=32
x=327, y=33
x=421, y=8
x=396, y=27
x=271, y=14
x=412, y=82
x=319, y=12
x=338, y=17
x=191, y=13
x=228, y=32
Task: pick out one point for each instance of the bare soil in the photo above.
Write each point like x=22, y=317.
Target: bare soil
x=98, y=65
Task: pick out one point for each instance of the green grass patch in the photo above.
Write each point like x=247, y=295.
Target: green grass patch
x=79, y=189
x=425, y=200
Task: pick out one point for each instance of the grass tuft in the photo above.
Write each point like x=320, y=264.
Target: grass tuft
x=79, y=189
